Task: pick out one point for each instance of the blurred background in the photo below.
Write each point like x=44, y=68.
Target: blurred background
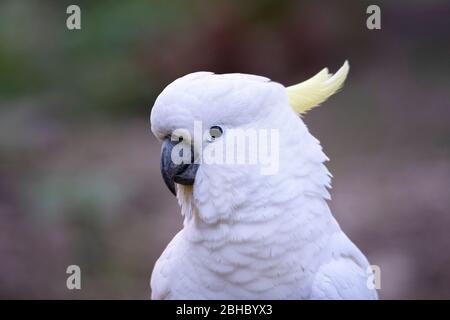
x=79, y=167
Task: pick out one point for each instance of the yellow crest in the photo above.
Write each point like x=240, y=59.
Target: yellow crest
x=312, y=92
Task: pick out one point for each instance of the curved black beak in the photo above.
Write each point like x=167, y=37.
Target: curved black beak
x=172, y=173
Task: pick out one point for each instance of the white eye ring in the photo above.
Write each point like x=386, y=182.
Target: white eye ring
x=214, y=133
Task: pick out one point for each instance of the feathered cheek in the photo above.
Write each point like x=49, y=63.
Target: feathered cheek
x=212, y=196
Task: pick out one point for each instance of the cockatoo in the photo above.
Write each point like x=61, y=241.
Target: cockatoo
x=248, y=235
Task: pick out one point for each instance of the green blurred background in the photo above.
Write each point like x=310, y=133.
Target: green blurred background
x=79, y=167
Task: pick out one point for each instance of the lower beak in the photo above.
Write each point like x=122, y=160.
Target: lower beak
x=172, y=173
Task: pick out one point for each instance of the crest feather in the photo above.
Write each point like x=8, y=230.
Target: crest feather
x=312, y=92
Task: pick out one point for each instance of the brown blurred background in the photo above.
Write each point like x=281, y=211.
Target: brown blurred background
x=79, y=167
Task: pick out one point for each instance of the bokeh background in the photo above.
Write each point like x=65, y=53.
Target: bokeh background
x=79, y=167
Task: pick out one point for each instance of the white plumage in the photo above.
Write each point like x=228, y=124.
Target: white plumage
x=247, y=235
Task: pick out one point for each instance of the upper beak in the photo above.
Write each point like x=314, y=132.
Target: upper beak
x=172, y=173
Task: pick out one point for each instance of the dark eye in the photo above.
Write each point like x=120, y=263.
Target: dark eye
x=214, y=133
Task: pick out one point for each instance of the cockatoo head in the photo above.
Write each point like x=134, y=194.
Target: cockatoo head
x=201, y=117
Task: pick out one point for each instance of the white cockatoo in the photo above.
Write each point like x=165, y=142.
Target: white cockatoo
x=249, y=235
